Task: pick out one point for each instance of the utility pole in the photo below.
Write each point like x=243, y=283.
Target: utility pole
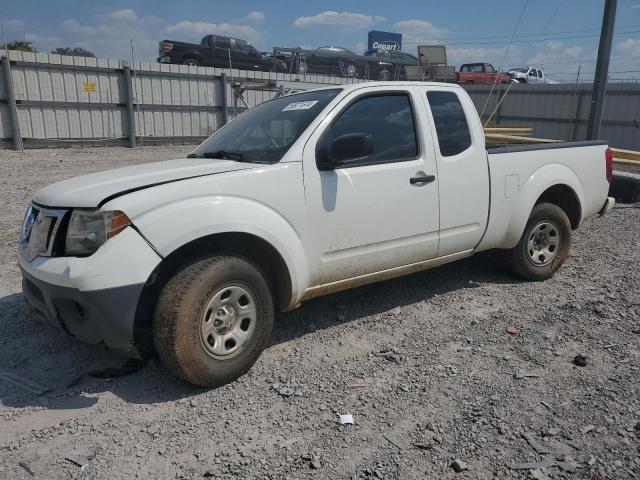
x=602, y=70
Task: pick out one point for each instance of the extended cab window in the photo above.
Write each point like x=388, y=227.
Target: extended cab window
x=388, y=120
x=454, y=136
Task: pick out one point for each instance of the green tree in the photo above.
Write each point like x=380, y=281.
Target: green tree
x=74, y=52
x=19, y=45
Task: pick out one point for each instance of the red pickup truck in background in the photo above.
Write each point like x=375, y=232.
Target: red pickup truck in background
x=480, y=73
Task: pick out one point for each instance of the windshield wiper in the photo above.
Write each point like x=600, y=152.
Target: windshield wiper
x=224, y=154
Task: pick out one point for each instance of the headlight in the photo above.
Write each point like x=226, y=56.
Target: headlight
x=88, y=229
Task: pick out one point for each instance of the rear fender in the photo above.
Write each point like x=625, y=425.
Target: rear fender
x=542, y=179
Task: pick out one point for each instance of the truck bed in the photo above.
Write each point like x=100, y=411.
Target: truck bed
x=520, y=173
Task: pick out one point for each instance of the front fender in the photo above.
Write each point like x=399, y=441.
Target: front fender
x=173, y=225
x=530, y=190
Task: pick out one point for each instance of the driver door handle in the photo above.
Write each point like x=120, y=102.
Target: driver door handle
x=421, y=180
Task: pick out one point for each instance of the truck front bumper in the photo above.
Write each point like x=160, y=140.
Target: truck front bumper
x=95, y=298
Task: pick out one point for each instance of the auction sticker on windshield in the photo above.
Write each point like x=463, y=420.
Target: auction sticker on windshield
x=300, y=105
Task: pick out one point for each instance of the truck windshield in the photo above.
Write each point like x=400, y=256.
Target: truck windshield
x=264, y=133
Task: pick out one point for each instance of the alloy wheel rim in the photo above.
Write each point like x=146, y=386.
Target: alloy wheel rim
x=228, y=321
x=542, y=244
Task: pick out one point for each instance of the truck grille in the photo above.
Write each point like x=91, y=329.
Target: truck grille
x=38, y=233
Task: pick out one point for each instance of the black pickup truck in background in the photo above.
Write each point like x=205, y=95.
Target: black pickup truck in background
x=219, y=51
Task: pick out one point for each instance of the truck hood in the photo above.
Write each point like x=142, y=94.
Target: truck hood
x=90, y=191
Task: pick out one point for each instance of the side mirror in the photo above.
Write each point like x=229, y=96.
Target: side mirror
x=342, y=150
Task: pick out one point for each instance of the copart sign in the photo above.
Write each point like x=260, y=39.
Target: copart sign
x=388, y=41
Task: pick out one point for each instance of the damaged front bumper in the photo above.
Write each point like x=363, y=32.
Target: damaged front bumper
x=93, y=299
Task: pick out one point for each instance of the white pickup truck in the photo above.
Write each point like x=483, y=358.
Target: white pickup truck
x=300, y=196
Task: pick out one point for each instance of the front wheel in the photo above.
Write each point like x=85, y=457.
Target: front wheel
x=351, y=70
x=213, y=319
x=544, y=245
x=191, y=62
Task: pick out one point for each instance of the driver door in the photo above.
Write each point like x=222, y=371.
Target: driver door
x=379, y=211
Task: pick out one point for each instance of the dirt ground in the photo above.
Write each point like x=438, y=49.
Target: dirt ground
x=423, y=363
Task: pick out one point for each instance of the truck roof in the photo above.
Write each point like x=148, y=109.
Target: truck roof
x=224, y=36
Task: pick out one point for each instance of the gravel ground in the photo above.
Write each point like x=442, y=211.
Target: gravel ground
x=423, y=363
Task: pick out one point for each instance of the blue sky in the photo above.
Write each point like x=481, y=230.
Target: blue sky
x=558, y=35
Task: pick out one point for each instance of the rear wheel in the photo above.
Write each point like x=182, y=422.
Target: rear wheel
x=213, y=319
x=469, y=82
x=192, y=62
x=384, y=75
x=544, y=245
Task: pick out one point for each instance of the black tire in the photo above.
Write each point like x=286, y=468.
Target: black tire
x=182, y=311
x=301, y=67
x=469, y=82
x=384, y=75
x=526, y=261
x=521, y=80
x=191, y=61
x=351, y=67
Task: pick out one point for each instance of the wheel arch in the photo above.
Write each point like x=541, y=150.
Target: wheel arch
x=555, y=183
x=245, y=245
x=564, y=197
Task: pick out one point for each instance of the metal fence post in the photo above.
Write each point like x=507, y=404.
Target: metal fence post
x=11, y=104
x=128, y=85
x=225, y=110
x=501, y=95
x=602, y=70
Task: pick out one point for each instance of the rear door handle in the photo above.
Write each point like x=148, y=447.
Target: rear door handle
x=422, y=180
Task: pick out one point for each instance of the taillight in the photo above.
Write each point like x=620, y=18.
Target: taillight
x=167, y=46
x=608, y=154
